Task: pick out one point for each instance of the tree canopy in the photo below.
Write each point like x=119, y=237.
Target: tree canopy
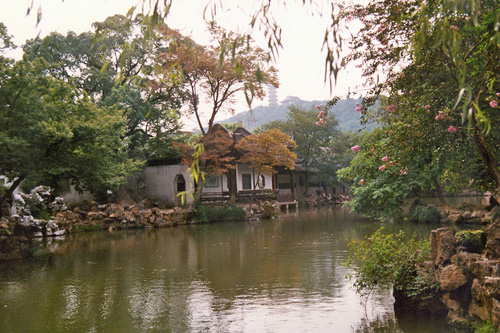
x=320, y=147
x=114, y=66
x=438, y=99
x=267, y=150
x=227, y=68
x=50, y=132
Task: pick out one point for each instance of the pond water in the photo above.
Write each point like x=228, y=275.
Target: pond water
x=282, y=275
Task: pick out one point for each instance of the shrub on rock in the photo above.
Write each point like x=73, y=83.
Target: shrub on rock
x=473, y=241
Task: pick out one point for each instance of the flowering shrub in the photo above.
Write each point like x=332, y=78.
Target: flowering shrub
x=321, y=115
x=359, y=108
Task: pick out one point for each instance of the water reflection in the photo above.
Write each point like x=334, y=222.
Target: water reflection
x=272, y=276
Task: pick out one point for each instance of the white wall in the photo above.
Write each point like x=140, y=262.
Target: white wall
x=245, y=169
x=160, y=183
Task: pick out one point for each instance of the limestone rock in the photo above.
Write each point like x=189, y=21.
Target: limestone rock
x=492, y=286
x=493, y=241
x=451, y=278
x=482, y=267
x=442, y=245
x=495, y=312
x=455, y=217
x=480, y=306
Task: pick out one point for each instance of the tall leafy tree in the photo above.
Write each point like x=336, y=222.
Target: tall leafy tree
x=441, y=74
x=265, y=151
x=311, y=138
x=211, y=155
x=114, y=66
x=229, y=67
x=50, y=131
x=321, y=147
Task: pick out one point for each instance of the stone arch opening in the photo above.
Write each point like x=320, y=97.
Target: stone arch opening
x=179, y=186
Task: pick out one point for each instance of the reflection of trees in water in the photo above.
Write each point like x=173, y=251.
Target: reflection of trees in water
x=184, y=277
x=381, y=323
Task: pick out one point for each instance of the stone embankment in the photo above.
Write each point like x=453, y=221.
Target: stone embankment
x=315, y=200
x=17, y=233
x=468, y=214
x=469, y=282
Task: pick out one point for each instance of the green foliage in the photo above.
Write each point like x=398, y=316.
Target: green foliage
x=229, y=212
x=380, y=193
x=38, y=209
x=474, y=241
x=423, y=213
x=383, y=260
x=487, y=326
x=439, y=99
x=113, y=65
x=50, y=130
x=323, y=149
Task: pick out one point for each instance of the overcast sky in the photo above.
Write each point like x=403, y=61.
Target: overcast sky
x=300, y=63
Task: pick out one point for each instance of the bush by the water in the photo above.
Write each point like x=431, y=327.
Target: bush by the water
x=384, y=260
x=420, y=212
x=229, y=212
x=474, y=241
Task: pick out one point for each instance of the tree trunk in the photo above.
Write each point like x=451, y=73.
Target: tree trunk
x=7, y=197
x=442, y=200
x=198, y=187
x=306, y=183
x=488, y=158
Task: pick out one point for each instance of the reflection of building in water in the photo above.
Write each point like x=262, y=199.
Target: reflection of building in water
x=272, y=95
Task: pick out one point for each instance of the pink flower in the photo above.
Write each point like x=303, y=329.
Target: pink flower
x=319, y=106
x=427, y=106
x=404, y=172
x=322, y=121
x=361, y=182
x=390, y=163
x=385, y=158
x=391, y=108
x=454, y=27
x=498, y=94
x=358, y=108
x=382, y=167
x=321, y=114
x=493, y=103
x=440, y=115
x=355, y=149
x=452, y=129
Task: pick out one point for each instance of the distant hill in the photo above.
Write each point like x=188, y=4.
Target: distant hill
x=349, y=120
